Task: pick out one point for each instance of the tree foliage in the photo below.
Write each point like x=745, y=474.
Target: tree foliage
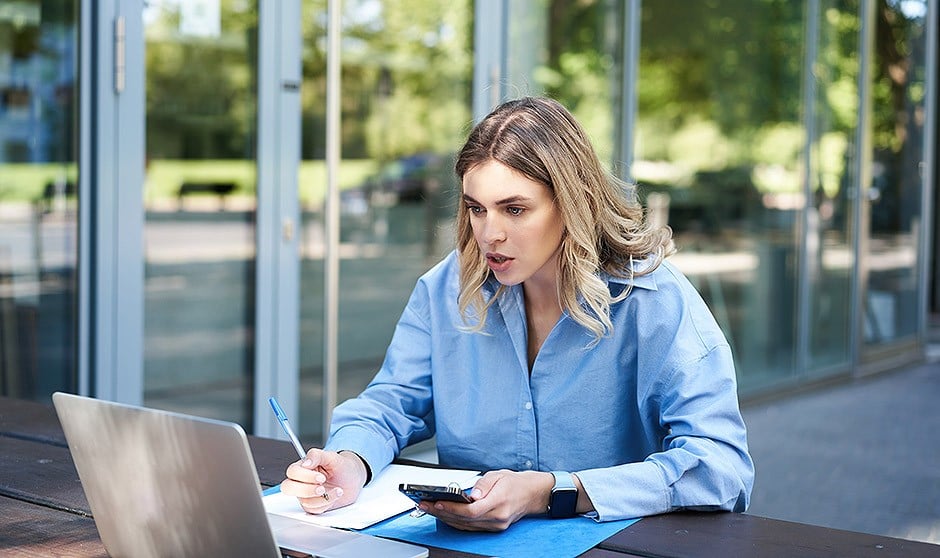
x=406, y=76
x=406, y=72
x=721, y=83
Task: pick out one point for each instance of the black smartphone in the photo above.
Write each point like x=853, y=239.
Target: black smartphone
x=430, y=493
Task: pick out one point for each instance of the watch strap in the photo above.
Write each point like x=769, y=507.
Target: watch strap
x=563, y=479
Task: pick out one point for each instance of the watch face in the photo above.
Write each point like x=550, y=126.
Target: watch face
x=564, y=502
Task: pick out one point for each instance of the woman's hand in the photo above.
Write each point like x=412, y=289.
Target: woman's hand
x=500, y=499
x=325, y=480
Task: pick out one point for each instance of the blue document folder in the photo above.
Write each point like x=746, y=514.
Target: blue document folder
x=533, y=536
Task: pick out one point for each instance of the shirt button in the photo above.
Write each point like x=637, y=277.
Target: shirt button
x=528, y=405
x=528, y=464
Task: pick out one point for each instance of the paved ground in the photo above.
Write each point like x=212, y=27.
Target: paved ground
x=862, y=456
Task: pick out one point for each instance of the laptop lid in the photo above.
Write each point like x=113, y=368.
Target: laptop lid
x=167, y=484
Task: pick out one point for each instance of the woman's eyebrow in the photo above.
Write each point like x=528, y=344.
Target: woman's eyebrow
x=504, y=201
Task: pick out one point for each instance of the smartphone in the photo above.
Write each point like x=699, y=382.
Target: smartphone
x=429, y=493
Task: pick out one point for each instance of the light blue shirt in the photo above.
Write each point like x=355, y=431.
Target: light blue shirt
x=648, y=417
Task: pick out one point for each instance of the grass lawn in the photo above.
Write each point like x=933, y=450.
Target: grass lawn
x=25, y=182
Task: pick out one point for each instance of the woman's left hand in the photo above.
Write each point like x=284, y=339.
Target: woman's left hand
x=500, y=498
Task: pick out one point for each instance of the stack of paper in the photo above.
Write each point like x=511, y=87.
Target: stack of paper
x=377, y=501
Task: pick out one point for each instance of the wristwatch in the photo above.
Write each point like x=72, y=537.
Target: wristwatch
x=564, y=500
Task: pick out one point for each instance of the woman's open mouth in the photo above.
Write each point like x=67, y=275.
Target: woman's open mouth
x=498, y=262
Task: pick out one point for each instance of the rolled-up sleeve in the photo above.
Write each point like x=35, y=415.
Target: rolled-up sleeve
x=704, y=464
x=687, y=398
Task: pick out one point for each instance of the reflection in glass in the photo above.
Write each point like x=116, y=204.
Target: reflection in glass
x=200, y=204
x=899, y=96
x=829, y=220
x=38, y=204
x=572, y=53
x=406, y=81
x=719, y=156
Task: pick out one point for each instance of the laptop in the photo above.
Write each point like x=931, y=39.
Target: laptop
x=167, y=484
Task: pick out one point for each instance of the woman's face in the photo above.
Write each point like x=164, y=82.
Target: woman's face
x=515, y=222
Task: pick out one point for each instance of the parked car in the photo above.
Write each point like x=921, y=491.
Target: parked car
x=408, y=177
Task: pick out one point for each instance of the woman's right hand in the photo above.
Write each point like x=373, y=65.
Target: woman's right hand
x=325, y=480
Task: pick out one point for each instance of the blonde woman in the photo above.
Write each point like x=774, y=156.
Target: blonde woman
x=555, y=348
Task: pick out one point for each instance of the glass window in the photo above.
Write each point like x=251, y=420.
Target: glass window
x=898, y=98
x=571, y=52
x=201, y=80
x=38, y=203
x=719, y=153
x=406, y=82
x=829, y=236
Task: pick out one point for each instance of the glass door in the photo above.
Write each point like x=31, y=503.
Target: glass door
x=200, y=203
x=405, y=108
x=890, y=306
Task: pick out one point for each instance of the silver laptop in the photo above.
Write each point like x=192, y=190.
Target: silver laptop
x=167, y=484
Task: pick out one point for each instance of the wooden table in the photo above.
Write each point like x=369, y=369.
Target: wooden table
x=43, y=510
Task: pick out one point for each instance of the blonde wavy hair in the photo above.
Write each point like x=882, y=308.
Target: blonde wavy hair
x=605, y=227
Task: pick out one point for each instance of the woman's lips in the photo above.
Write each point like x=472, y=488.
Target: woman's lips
x=498, y=262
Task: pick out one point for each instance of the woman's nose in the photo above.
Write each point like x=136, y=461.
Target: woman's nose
x=493, y=230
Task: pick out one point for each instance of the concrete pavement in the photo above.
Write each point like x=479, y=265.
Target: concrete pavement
x=862, y=456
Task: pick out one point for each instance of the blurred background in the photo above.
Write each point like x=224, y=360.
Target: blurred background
x=166, y=231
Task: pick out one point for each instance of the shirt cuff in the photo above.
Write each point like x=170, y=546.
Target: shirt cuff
x=627, y=491
x=374, y=451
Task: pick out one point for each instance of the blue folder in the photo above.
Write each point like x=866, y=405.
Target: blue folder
x=532, y=536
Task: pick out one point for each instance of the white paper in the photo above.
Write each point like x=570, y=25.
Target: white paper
x=379, y=500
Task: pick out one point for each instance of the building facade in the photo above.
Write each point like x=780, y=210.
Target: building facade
x=205, y=203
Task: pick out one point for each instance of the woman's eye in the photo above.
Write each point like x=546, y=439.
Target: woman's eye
x=514, y=210
x=474, y=209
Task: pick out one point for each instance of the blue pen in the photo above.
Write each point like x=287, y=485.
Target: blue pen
x=282, y=418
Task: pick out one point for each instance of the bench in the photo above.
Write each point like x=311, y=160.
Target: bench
x=215, y=188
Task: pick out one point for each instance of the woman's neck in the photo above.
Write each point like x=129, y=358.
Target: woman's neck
x=542, y=311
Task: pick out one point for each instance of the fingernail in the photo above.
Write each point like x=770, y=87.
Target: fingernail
x=320, y=478
x=306, y=463
x=439, y=506
x=339, y=492
x=476, y=493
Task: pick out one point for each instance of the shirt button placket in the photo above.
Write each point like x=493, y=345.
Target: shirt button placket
x=530, y=420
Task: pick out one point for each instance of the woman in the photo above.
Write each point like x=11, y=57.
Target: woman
x=555, y=349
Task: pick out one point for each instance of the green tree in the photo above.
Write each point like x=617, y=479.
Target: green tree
x=405, y=79
x=201, y=92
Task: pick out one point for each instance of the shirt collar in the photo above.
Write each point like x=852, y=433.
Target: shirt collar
x=647, y=281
